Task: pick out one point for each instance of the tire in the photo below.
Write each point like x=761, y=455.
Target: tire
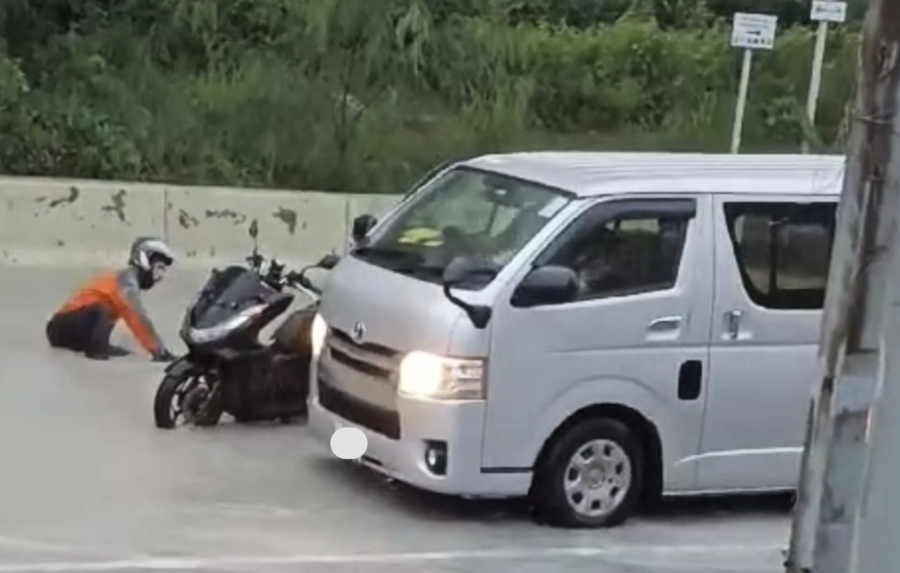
x=607, y=492
x=170, y=388
x=162, y=404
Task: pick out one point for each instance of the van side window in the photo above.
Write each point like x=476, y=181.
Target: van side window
x=625, y=255
x=783, y=251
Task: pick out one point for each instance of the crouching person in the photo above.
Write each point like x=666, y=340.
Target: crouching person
x=86, y=321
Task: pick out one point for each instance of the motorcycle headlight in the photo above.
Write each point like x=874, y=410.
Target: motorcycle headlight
x=223, y=329
x=318, y=334
x=425, y=375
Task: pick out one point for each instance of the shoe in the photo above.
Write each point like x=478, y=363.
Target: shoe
x=118, y=351
x=96, y=355
x=164, y=356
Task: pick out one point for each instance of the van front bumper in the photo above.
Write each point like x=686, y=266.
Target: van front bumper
x=459, y=424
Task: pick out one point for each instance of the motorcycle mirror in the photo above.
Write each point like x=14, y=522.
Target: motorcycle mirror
x=329, y=261
x=361, y=227
x=253, y=231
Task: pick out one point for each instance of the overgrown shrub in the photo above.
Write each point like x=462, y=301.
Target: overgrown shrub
x=364, y=96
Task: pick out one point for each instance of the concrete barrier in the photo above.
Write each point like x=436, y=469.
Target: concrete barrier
x=212, y=224
x=62, y=222
x=50, y=222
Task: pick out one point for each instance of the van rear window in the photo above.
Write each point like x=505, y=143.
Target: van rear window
x=783, y=251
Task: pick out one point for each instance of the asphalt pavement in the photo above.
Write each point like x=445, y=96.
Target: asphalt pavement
x=87, y=483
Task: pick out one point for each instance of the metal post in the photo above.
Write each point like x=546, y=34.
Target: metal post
x=815, y=82
x=829, y=497
x=741, y=101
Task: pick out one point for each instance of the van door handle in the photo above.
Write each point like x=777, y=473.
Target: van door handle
x=733, y=323
x=665, y=324
x=690, y=380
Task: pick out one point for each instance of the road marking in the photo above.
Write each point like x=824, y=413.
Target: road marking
x=48, y=547
x=194, y=563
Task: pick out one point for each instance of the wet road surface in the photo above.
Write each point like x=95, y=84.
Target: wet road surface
x=87, y=483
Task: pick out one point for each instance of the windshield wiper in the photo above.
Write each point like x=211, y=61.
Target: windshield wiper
x=388, y=253
x=412, y=263
x=401, y=260
x=436, y=271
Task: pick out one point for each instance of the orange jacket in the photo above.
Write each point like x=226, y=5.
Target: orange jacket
x=119, y=293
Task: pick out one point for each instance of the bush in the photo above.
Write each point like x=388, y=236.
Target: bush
x=364, y=96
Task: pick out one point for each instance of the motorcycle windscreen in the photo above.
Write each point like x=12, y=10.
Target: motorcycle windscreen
x=227, y=293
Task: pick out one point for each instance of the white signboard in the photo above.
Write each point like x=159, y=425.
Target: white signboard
x=829, y=11
x=754, y=31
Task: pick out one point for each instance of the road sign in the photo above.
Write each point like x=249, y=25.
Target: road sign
x=825, y=12
x=751, y=32
x=829, y=11
x=754, y=31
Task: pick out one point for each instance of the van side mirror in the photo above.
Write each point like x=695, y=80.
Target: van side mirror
x=329, y=261
x=546, y=285
x=459, y=271
x=361, y=227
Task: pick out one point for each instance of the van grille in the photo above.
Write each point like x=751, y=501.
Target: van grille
x=369, y=416
x=367, y=358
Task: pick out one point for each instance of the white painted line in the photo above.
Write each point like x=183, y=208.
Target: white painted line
x=19, y=543
x=194, y=563
x=48, y=547
x=738, y=563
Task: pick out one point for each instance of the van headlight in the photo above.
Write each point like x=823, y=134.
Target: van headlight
x=318, y=334
x=425, y=375
x=223, y=329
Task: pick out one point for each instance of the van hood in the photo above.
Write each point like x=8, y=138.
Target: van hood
x=395, y=310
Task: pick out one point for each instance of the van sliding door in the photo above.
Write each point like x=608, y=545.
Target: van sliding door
x=772, y=262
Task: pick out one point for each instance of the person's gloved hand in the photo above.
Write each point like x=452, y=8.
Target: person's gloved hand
x=163, y=356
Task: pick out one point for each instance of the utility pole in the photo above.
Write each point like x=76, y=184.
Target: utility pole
x=836, y=519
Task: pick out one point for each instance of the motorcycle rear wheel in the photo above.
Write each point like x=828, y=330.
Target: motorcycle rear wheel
x=170, y=407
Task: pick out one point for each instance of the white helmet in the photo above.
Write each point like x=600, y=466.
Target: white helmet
x=146, y=248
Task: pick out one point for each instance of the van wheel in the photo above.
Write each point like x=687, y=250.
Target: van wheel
x=592, y=475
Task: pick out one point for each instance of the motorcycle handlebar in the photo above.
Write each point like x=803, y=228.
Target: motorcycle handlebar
x=298, y=278
x=255, y=260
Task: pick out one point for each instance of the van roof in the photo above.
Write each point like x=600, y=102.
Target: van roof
x=589, y=174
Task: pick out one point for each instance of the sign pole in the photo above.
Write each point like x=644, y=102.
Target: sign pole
x=750, y=32
x=815, y=82
x=741, y=108
x=825, y=12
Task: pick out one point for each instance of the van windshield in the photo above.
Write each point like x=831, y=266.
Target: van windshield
x=463, y=213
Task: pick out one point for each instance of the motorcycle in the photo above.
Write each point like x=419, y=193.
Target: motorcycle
x=227, y=369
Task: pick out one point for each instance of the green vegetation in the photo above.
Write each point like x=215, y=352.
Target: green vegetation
x=365, y=95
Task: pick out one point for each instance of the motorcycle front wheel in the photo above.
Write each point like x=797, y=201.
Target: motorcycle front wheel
x=184, y=400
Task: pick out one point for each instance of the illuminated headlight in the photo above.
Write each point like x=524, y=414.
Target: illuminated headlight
x=221, y=330
x=424, y=375
x=318, y=334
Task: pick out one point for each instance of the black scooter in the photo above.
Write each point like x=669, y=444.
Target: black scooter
x=227, y=369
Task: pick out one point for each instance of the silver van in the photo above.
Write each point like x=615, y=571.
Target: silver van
x=588, y=329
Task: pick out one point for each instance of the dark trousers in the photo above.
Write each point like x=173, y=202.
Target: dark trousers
x=84, y=330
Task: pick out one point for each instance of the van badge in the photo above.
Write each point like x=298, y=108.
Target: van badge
x=359, y=331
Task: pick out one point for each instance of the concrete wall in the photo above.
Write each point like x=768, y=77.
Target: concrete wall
x=62, y=222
